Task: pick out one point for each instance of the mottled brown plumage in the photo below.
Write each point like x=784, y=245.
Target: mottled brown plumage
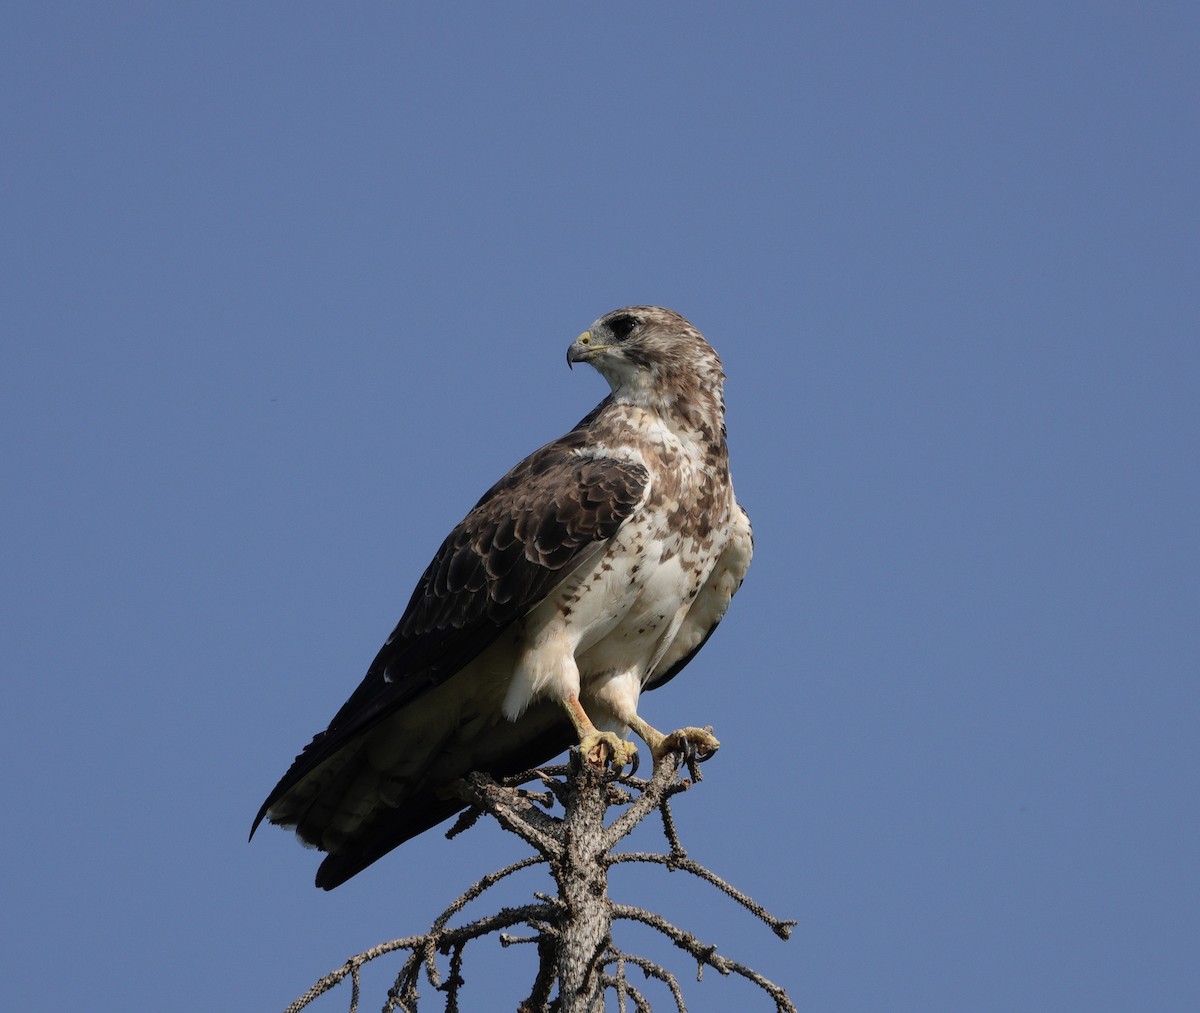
x=595, y=568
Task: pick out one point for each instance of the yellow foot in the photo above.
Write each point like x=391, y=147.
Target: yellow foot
x=684, y=740
x=602, y=748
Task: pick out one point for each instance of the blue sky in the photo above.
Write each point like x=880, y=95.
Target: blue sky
x=288, y=286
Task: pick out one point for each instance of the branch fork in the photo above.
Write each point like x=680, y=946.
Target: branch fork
x=572, y=930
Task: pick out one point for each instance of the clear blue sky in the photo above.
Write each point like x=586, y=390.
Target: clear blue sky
x=286, y=286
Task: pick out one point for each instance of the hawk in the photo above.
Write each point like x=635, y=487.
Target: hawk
x=595, y=569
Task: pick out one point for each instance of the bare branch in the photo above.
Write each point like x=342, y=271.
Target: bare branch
x=571, y=928
x=512, y=810
x=781, y=927
x=705, y=954
x=350, y=967
x=653, y=970
x=652, y=794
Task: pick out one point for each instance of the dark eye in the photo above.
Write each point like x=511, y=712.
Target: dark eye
x=622, y=326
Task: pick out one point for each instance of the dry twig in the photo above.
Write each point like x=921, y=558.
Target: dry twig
x=573, y=930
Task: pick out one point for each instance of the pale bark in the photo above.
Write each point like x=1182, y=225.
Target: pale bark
x=579, y=963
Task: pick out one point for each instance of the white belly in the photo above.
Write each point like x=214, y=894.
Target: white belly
x=601, y=636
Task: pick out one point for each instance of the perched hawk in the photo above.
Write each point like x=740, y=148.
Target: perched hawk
x=595, y=569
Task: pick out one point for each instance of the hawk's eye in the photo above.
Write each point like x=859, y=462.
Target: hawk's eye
x=622, y=326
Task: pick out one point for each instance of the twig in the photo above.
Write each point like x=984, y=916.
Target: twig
x=572, y=930
x=781, y=927
x=705, y=954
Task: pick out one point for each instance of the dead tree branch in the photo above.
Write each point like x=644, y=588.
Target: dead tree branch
x=578, y=961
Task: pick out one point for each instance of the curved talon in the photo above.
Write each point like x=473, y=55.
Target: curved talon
x=699, y=742
x=602, y=748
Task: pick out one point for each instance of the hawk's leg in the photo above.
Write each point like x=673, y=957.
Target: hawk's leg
x=681, y=740
x=597, y=748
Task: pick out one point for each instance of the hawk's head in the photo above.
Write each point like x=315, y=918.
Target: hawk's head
x=653, y=358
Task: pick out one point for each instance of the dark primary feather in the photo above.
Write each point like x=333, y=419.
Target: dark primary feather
x=550, y=514
x=427, y=809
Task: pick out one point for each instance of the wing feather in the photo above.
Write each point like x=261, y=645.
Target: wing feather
x=551, y=514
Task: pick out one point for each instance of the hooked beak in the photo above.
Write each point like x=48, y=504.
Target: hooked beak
x=582, y=349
